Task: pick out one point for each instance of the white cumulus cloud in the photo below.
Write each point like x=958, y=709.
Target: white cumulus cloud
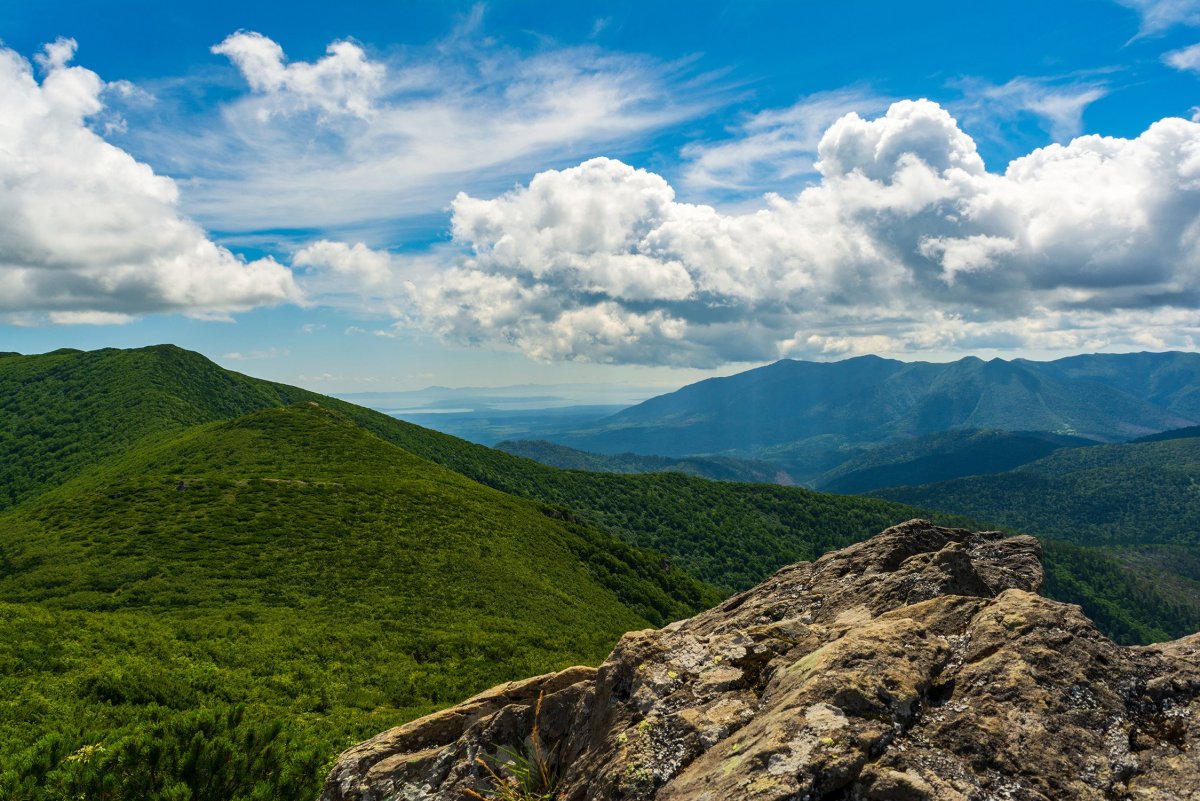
x=344, y=81
x=357, y=264
x=89, y=234
x=906, y=243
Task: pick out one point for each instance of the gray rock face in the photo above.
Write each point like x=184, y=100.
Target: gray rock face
x=919, y=664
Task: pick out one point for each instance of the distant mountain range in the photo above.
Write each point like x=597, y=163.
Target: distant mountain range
x=812, y=418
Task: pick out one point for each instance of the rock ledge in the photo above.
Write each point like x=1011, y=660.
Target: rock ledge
x=919, y=664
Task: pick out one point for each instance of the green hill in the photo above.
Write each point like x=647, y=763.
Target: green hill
x=109, y=399
x=730, y=534
x=67, y=410
x=1131, y=600
x=284, y=574
x=74, y=409
x=1133, y=507
x=1175, y=433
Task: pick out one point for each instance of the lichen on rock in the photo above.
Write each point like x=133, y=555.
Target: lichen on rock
x=919, y=664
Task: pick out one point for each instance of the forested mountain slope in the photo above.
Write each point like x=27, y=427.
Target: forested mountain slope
x=1169, y=381
x=943, y=456
x=110, y=399
x=1133, y=507
x=1136, y=493
x=67, y=410
x=729, y=534
x=273, y=585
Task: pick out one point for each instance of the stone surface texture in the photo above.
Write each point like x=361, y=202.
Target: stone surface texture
x=919, y=664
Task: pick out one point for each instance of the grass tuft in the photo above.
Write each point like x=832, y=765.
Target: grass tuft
x=526, y=775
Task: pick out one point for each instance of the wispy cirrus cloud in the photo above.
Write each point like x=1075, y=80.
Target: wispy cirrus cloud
x=771, y=149
x=1057, y=103
x=355, y=139
x=1158, y=16
x=1186, y=59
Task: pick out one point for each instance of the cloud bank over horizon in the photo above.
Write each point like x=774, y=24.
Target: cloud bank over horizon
x=906, y=243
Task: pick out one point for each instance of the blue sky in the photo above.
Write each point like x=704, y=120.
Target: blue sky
x=369, y=196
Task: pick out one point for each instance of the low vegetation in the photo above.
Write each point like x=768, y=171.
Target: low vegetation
x=257, y=594
x=68, y=410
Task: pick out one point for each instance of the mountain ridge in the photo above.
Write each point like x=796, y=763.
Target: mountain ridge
x=775, y=525
x=802, y=415
x=942, y=456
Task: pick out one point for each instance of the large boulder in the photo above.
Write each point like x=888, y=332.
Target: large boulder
x=920, y=664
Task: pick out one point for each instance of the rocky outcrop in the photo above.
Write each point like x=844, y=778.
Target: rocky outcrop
x=920, y=664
